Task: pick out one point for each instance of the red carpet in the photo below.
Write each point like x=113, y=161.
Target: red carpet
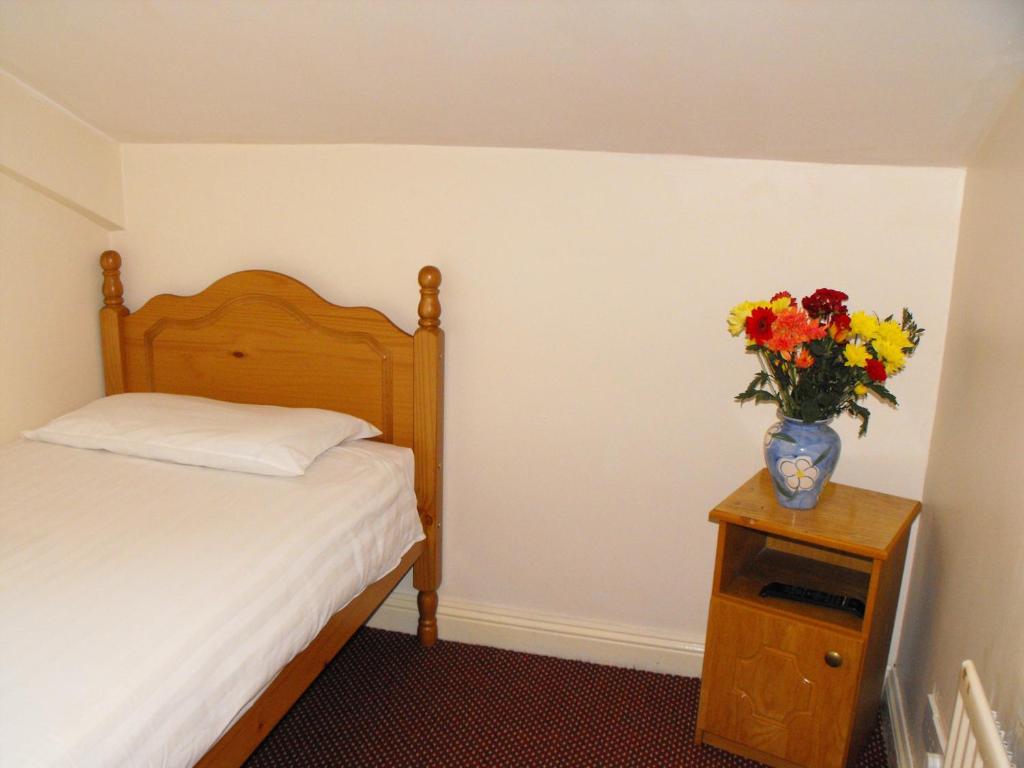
x=384, y=701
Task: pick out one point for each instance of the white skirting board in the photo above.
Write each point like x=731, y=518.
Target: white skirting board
x=634, y=647
x=897, y=735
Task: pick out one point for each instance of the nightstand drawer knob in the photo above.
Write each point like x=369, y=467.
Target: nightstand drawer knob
x=834, y=659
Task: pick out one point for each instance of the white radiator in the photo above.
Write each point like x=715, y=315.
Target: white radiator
x=975, y=740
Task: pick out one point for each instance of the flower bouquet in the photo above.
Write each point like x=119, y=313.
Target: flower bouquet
x=817, y=361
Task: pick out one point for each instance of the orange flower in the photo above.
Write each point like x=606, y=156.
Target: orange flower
x=839, y=328
x=791, y=327
x=804, y=359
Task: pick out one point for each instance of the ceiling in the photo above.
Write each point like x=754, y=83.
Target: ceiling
x=911, y=82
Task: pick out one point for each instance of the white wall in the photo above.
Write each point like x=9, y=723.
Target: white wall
x=589, y=416
x=49, y=299
x=967, y=589
x=60, y=193
x=51, y=150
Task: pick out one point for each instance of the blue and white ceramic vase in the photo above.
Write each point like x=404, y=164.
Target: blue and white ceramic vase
x=801, y=458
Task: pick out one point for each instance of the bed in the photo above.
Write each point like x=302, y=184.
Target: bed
x=253, y=337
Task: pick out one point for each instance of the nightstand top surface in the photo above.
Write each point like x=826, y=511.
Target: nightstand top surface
x=849, y=519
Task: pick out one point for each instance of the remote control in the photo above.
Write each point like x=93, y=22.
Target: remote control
x=813, y=597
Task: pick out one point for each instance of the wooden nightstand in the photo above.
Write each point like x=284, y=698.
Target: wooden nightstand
x=786, y=683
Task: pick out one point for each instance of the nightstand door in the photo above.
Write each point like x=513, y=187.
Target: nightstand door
x=770, y=684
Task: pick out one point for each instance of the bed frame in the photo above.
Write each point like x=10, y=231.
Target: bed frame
x=263, y=337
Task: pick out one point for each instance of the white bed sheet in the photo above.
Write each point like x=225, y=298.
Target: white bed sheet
x=145, y=605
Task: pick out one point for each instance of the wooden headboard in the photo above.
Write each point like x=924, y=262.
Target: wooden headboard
x=263, y=337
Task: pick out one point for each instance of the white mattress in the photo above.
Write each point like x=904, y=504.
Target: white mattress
x=145, y=605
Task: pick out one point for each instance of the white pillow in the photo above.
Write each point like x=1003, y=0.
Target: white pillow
x=264, y=439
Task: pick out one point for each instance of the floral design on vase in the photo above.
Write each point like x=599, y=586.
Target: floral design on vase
x=801, y=458
x=798, y=474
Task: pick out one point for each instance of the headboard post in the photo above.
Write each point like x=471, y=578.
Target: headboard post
x=428, y=345
x=263, y=337
x=111, y=315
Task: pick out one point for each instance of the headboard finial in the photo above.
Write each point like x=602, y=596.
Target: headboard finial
x=430, y=306
x=113, y=290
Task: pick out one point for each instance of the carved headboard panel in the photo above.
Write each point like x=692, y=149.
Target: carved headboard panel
x=248, y=349
x=263, y=337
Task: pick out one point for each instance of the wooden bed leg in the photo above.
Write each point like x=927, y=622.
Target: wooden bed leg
x=427, y=628
x=428, y=397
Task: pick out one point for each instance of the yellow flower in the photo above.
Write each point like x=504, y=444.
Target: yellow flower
x=892, y=333
x=891, y=354
x=860, y=390
x=864, y=325
x=856, y=355
x=739, y=314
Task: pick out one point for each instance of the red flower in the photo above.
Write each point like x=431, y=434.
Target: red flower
x=839, y=328
x=786, y=295
x=759, y=325
x=804, y=359
x=875, y=369
x=825, y=301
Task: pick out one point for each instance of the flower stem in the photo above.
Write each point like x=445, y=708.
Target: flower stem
x=775, y=379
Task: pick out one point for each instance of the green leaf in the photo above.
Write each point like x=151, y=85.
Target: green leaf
x=882, y=392
x=782, y=437
x=824, y=455
x=752, y=388
x=861, y=413
x=757, y=395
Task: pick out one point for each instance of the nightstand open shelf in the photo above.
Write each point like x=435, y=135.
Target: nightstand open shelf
x=788, y=683
x=763, y=558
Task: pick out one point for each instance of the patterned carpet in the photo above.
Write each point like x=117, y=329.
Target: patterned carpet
x=386, y=702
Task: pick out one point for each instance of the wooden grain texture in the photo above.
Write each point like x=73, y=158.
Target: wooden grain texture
x=848, y=519
x=232, y=749
x=825, y=555
x=771, y=565
x=111, y=315
x=739, y=547
x=266, y=338
x=263, y=337
x=428, y=439
x=769, y=688
x=748, y=752
x=881, y=614
x=766, y=692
